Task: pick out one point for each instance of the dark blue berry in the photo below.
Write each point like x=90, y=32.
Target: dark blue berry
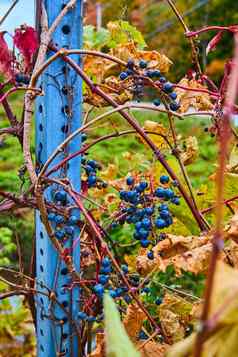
x=168, y=87
x=156, y=73
x=174, y=106
x=143, y=233
x=73, y=219
x=146, y=290
x=145, y=243
x=146, y=223
x=99, y=289
x=162, y=79
x=92, y=163
x=164, y=214
x=123, y=75
x=175, y=200
x=106, y=262
x=150, y=255
x=59, y=219
x=142, y=335
x=164, y=179
x=169, y=193
x=92, y=179
x=82, y=315
x=51, y=217
x=158, y=301
x=173, y=95
x=149, y=74
x=143, y=185
x=91, y=319
x=163, y=206
x=60, y=196
x=69, y=230
x=124, y=268
x=103, y=279
x=127, y=299
x=130, y=181
x=113, y=294
x=157, y=102
x=142, y=64
x=149, y=211
x=160, y=192
x=160, y=223
x=59, y=234
x=84, y=137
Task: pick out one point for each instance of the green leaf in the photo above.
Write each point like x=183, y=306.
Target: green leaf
x=118, y=343
x=94, y=39
x=122, y=32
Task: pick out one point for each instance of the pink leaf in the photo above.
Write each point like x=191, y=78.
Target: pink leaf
x=5, y=57
x=214, y=41
x=26, y=40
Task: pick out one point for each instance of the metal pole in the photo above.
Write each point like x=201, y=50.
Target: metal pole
x=58, y=114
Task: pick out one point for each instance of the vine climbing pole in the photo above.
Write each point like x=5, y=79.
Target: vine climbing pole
x=58, y=113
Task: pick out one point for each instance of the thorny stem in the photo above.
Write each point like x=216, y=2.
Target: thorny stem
x=225, y=134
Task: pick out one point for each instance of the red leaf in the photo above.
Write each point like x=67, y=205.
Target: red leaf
x=26, y=40
x=214, y=41
x=5, y=57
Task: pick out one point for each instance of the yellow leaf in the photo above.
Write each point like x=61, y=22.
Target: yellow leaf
x=160, y=132
x=191, y=152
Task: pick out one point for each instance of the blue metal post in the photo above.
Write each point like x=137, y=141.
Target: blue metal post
x=58, y=113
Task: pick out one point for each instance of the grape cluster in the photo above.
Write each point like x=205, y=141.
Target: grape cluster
x=64, y=227
x=91, y=167
x=154, y=74
x=147, y=210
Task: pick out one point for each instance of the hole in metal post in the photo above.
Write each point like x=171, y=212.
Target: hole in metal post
x=66, y=29
x=40, y=108
x=41, y=268
x=41, y=251
x=40, y=127
x=41, y=235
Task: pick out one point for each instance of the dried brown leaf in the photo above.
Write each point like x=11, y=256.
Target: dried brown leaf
x=191, y=152
x=188, y=98
x=153, y=349
x=133, y=321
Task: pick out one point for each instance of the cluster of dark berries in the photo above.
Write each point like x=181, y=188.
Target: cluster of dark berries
x=91, y=167
x=64, y=227
x=146, y=209
x=154, y=74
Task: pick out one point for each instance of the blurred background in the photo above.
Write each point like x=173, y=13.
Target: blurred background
x=157, y=23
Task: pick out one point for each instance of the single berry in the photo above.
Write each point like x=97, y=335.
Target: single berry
x=145, y=243
x=103, y=279
x=92, y=163
x=106, y=270
x=59, y=234
x=69, y=230
x=84, y=137
x=91, y=319
x=51, y=217
x=168, y=193
x=164, y=179
x=130, y=181
x=142, y=64
x=173, y=95
x=158, y=301
x=160, y=223
x=149, y=211
x=60, y=196
x=149, y=74
x=142, y=335
x=146, y=290
x=160, y=192
x=150, y=255
x=73, y=219
x=106, y=262
x=113, y=294
x=175, y=200
x=146, y=223
x=163, y=206
x=162, y=79
x=143, y=233
x=99, y=289
x=124, y=268
x=174, y=106
x=123, y=76
x=168, y=87
x=143, y=185
x=92, y=179
x=127, y=299
x=59, y=219
x=82, y=315
x=157, y=102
